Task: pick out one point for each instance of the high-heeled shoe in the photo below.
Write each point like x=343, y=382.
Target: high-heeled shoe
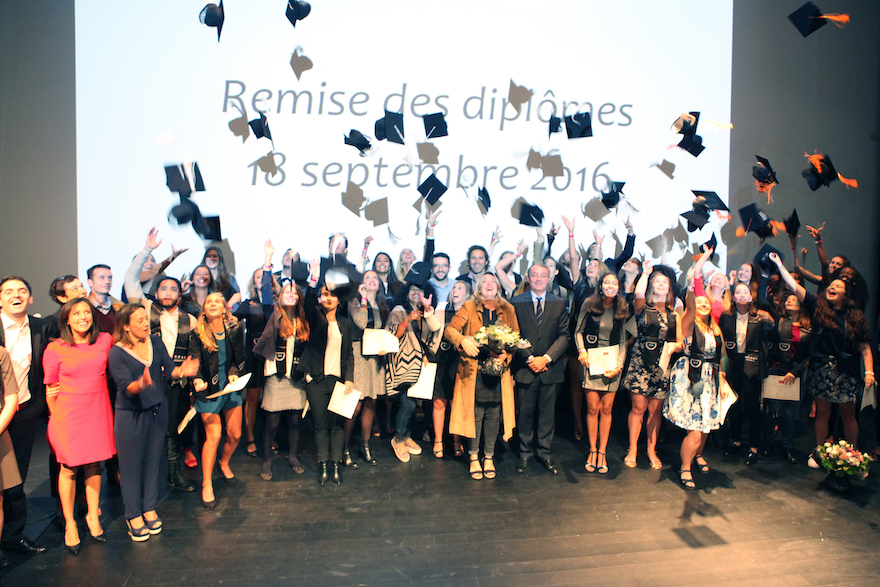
x=368, y=455
x=347, y=461
x=476, y=471
x=154, y=526
x=603, y=470
x=100, y=538
x=140, y=534
x=336, y=472
x=323, y=474
x=73, y=549
x=590, y=467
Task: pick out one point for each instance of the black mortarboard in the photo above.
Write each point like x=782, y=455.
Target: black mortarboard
x=686, y=124
x=594, y=209
x=483, y=200
x=792, y=223
x=297, y=10
x=531, y=215
x=579, y=126
x=418, y=274
x=712, y=243
x=756, y=220
x=824, y=174
x=693, y=144
x=552, y=166
x=299, y=272
x=390, y=127
x=807, y=19
x=711, y=201
x=555, y=125
x=213, y=16
x=357, y=140
x=518, y=95
x=432, y=188
x=260, y=126
x=337, y=280
x=762, y=260
x=299, y=62
x=428, y=153
x=695, y=220
x=210, y=228
x=377, y=212
x=763, y=172
x=353, y=198
x=612, y=197
x=435, y=125
x=178, y=182
x=186, y=211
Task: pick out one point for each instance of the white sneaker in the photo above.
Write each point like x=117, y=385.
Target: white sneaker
x=811, y=463
x=400, y=451
x=412, y=447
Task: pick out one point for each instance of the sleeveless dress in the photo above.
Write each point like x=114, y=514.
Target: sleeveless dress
x=647, y=380
x=686, y=406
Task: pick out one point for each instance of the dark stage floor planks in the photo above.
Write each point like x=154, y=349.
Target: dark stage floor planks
x=428, y=523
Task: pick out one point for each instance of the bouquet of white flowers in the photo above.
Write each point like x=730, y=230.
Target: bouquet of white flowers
x=493, y=340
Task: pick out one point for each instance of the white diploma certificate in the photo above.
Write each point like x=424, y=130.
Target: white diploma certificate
x=775, y=389
x=377, y=341
x=424, y=387
x=665, y=355
x=342, y=403
x=602, y=359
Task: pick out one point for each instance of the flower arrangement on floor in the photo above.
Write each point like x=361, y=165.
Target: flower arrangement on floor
x=493, y=340
x=842, y=461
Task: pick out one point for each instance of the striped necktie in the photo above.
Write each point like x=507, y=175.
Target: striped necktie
x=539, y=312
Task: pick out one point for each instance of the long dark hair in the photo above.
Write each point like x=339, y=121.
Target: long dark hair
x=64, y=325
x=856, y=323
x=293, y=320
x=595, y=304
x=393, y=282
x=732, y=311
x=402, y=297
x=223, y=279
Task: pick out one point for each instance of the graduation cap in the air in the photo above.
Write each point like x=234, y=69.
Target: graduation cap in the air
x=686, y=125
x=435, y=125
x=695, y=220
x=390, y=127
x=179, y=182
x=297, y=10
x=431, y=189
x=594, y=209
x=484, y=202
x=555, y=125
x=208, y=227
x=808, y=19
x=762, y=260
x=755, y=220
x=213, y=16
x=792, y=223
x=299, y=272
x=762, y=172
x=418, y=274
x=579, y=125
x=705, y=201
x=611, y=197
x=531, y=215
x=353, y=198
x=260, y=126
x=337, y=280
x=518, y=95
x=821, y=172
x=357, y=140
x=712, y=243
x=184, y=212
x=377, y=212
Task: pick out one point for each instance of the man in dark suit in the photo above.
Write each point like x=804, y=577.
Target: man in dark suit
x=24, y=337
x=543, y=321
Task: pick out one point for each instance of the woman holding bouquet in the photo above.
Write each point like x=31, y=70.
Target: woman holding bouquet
x=483, y=386
x=601, y=325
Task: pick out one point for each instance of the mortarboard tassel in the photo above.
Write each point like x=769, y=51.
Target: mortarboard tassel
x=840, y=20
x=849, y=183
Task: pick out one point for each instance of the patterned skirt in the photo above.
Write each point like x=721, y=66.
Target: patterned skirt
x=827, y=382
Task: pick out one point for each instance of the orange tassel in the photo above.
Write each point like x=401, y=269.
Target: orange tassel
x=723, y=215
x=740, y=232
x=777, y=225
x=765, y=188
x=849, y=183
x=815, y=159
x=841, y=20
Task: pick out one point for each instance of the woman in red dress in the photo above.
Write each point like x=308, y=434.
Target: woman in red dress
x=80, y=427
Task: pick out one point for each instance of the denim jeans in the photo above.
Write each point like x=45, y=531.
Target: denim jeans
x=403, y=425
x=487, y=422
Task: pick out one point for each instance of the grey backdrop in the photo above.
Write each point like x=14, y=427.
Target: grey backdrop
x=790, y=95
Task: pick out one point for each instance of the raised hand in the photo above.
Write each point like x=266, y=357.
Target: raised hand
x=816, y=233
x=153, y=240
x=568, y=222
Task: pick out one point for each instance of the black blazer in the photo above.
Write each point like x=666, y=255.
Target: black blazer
x=209, y=361
x=312, y=360
x=42, y=331
x=551, y=340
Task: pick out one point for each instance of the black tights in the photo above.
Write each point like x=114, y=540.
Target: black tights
x=273, y=419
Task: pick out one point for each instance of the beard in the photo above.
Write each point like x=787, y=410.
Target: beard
x=169, y=304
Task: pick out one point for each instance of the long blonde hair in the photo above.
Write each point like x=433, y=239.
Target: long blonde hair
x=206, y=335
x=500, y=302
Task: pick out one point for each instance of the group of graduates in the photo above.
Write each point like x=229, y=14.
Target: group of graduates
x=127, y=379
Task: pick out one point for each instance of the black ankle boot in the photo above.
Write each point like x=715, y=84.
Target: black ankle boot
x=323, y=476
x=346, y=460
x=368, y=455
x=336, y=472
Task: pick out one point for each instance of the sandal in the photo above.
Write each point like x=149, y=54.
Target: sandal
x=476, y=471
x=655, y=461
x=704, y=466
x=686, y=483
x=631, y=462
x=251, y=452
x=438, y=453
x=458, y=451
x=488, y=468
x=590, y=467
x=603, y=470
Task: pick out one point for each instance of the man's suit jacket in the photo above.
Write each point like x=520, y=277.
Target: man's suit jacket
x=551, y=339
x=42, y=330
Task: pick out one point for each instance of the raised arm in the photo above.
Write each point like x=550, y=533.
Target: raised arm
x=690, y=311
x=361, y=264
x=429, y=237
x=628, y=247
x=574, y=265
x=793, y=285
x=642, y=287
x=132, y=281
x=501, y=268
